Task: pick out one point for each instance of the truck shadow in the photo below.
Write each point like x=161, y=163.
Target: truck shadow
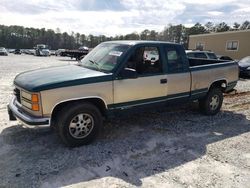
x=131, y=148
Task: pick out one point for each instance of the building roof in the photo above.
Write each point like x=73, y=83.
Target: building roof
x=221, y=33
x=134, y=42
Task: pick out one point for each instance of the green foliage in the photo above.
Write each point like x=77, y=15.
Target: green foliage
x=222, y=27
x=21, y=37
x=245, y=25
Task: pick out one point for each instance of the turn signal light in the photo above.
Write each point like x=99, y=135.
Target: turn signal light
x=34, y=98
x=35, y=107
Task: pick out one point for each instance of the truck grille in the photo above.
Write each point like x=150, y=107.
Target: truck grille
x=17, y=94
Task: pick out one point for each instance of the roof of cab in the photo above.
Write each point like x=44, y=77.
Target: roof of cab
x=134, y=42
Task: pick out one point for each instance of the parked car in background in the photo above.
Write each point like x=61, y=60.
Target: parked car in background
x=52, y=52
x=83, y=48
x=224, y=57
x=58, y=52
x=244, y=66
x=32, y=52
x=3, y=51
x=10, y=50
x=25, y=51
x=42, y=50
x=201, y=54
x=17, y=51
x=28, y=51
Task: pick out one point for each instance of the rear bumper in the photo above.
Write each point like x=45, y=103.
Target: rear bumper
x=15, y=113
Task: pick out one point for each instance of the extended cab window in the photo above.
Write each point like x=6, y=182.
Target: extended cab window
x=175, y=63
x=145, y=60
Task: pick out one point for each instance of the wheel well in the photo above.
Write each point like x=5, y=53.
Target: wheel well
x=222, y=84
x=99, y=103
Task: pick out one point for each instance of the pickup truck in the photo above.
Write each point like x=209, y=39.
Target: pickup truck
x=115, y=76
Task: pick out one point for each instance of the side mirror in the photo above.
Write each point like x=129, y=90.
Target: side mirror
x=128, y=73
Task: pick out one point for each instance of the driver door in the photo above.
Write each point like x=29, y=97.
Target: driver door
x=149, y=85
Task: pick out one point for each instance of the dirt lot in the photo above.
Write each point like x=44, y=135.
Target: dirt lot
x=161, y=148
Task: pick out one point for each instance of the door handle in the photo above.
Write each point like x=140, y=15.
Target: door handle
x=164, y=81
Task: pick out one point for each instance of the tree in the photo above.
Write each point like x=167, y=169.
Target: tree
x=102, y=38
x=209, y=26
x=236, y=26
x=222, y=27
x=152, y=35
x=144, y=34
x=132, y=36
x=58, y=30
x=197, y=29
x=78, y=39
x=245, y=25
x=21, y=37
x=83, y=40
x=165, y=34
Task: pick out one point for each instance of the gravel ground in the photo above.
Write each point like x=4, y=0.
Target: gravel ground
x=165, y=147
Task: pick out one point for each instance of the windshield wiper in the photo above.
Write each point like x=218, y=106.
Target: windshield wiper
x=96, y=64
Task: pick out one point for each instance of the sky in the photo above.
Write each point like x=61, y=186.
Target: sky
x=115, y=17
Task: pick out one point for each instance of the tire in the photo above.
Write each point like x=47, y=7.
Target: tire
x=79, y=124
x=211, y=104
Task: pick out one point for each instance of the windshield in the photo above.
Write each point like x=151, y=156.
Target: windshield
x=104, y=57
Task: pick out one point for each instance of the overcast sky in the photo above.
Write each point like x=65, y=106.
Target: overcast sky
x=111, y=17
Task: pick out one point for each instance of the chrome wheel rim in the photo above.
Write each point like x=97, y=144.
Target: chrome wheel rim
x=81, y=125
x=214, y=103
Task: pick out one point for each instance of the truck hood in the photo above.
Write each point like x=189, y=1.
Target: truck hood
x=56, y=77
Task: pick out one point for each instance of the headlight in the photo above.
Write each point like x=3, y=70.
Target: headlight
x=26, y=95
x=30, y=100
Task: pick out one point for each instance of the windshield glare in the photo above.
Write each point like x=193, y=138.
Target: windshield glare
x=104, y=57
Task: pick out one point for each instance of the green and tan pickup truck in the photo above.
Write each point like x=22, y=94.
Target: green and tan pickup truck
x=117, y=76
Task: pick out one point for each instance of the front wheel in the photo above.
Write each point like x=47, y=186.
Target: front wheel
x=211, y=104
x=79, y=124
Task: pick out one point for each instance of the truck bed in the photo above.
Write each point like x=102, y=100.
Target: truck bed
x=204, y=72
x=198, y=62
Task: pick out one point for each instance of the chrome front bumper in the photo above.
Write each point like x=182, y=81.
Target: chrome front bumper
x=16, y=113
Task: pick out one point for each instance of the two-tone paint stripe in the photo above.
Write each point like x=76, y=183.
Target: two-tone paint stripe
x=211, y=66
x=149, y=101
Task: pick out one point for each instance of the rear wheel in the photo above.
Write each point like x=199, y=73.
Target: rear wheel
x=211, y=104
x=79, y=124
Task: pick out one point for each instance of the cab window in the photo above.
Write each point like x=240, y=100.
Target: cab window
x=175, y=63
x=145, y=60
